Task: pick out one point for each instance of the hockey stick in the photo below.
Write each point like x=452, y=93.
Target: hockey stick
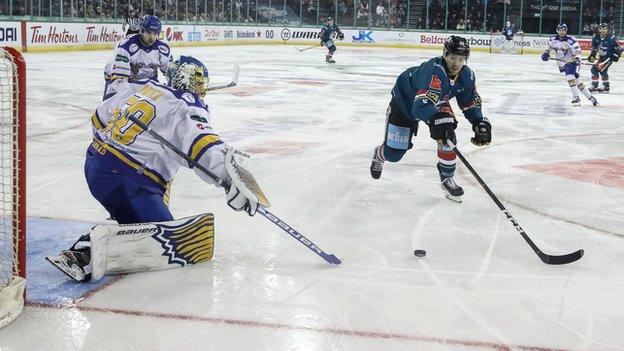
x=308, y=48
x=546, y=258
x=230, y=84
x=570, y=61
x=330, y=258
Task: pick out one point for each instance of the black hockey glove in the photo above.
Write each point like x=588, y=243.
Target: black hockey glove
x=483, y=132
x=341, y=36
x=591, y=58
x=615, y=57
x=442, y=126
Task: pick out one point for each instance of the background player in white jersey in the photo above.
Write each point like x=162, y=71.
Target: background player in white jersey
x=139, y=56
x=127, y=169
x=567, y=55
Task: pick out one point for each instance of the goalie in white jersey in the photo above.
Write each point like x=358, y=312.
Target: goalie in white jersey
x=567, y=54
x=138, y=56
x=128, y=170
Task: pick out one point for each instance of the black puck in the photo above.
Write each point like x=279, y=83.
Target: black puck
x=420, y=253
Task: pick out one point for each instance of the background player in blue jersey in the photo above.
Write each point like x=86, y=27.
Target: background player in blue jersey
x=567, y=55
x=508, y=32
x=139, y=56
x=605, y=46
x=327, y=35
x=422, y=93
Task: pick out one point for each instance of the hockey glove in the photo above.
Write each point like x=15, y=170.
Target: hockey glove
x=242, y=191
x=615, y=57
x=239, y=202
x=545, y=56
x=442, y=125
x=483, y=132
x=591, y=58
x=341, y=36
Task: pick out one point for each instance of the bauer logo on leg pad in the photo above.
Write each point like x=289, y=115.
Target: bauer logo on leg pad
x=187, y=243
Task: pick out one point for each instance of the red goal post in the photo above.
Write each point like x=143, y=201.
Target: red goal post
x=500, y=45
x=12, y=184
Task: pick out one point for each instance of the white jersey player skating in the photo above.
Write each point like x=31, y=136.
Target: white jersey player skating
x=138, y=56
x=567, y=54
x=127, y=170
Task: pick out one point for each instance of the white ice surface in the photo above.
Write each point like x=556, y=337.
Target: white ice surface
x=480, y=287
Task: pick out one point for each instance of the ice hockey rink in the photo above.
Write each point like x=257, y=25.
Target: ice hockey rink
x=311, y=128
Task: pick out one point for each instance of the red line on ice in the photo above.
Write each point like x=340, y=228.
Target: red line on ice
x=282, y=326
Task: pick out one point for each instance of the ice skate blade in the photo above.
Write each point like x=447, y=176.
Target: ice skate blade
x=457, y=199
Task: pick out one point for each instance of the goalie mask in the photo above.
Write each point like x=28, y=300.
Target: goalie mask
x=189, y=74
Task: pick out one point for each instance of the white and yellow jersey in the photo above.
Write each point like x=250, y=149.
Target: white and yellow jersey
x=135, y=60
x=180, y=117
x=566, y=49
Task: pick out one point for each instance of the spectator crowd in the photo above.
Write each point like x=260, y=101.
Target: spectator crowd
x=459, y=15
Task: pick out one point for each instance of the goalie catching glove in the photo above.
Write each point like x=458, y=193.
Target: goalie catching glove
x=242, y=191
x=483, y=132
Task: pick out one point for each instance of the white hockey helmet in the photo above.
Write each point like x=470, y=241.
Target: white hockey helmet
x=189, y=74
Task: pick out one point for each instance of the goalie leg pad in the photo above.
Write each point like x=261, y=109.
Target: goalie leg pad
x=134, y=248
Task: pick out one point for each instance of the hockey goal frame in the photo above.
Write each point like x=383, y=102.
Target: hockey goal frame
x=14, y=292
x=497, y=43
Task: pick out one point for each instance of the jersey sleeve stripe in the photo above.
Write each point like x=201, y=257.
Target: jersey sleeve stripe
x=201, y=144
x=96, y=121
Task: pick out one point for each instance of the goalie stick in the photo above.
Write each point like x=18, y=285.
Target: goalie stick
x=546, y=258
x=232, y=83
x=329, y=258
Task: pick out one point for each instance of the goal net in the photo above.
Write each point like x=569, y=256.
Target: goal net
x=12, y=184
x=500, y=45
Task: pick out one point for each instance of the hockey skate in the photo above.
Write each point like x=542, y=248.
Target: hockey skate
x=452, y=191
x=594, y=87
x=329, y=59
x=74, y=263
x=577, y=101
x=605, y=89
x=376, y=166
x=593, y=100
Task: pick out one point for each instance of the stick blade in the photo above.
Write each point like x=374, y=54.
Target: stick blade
x=332, y=259
x=562, y=259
